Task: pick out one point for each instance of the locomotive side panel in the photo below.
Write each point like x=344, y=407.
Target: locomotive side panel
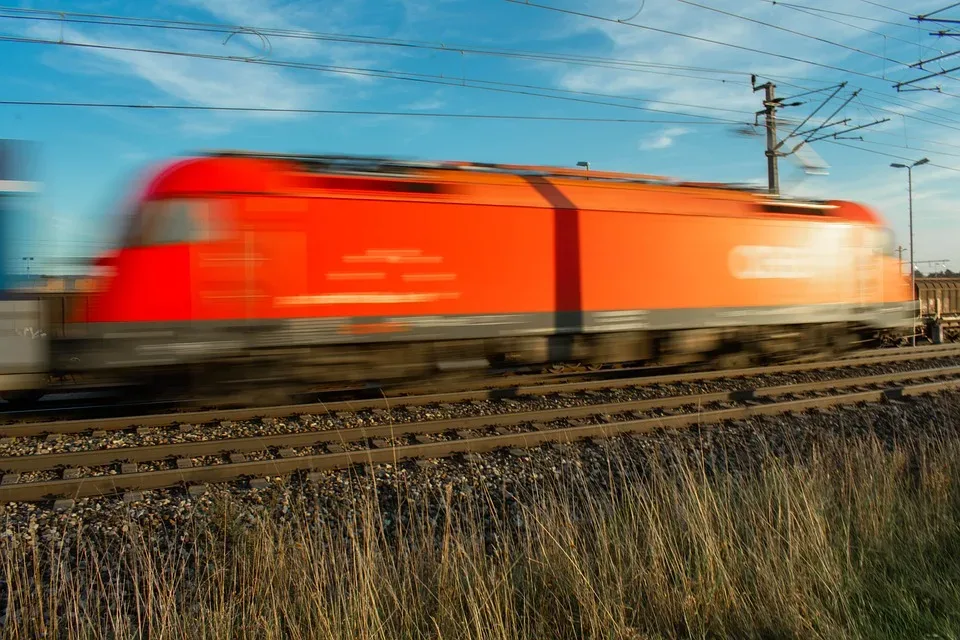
x=656, y=261
x=660, y=271
x=378, y=258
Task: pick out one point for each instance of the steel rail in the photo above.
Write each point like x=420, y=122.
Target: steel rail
x=533, y=379
x=221, y=446
x=380, y=452
x=31, y=429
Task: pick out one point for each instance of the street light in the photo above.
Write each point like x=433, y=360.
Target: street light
x=909, y=168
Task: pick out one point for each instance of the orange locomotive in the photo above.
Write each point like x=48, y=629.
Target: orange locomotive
x=340, y=268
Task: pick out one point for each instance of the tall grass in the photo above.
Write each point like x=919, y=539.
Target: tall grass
x=854, y=539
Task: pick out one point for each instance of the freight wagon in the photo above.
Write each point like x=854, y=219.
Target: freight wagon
x=939, y=308
x=273, y=268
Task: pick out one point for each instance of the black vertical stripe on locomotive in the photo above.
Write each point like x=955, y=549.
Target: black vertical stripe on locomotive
x=568, y=286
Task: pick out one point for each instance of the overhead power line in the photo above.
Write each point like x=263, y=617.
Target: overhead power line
x=819, y=10
x=657, y=68
x=906, y=85
x=469, y=83
x=505, y=87
x=883, y=6
x=581, y=14
x=342, y=112
x=891, y=155
x=265, y=33
x=918, y=149
x=577, y=60
x=792, y=31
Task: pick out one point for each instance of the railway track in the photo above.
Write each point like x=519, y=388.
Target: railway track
x=507, y=383
x=492, y=392
x=194, y=464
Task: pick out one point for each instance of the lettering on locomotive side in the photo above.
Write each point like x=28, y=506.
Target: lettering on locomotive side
x=365, y=298
x=392, y=256
x=755, y=262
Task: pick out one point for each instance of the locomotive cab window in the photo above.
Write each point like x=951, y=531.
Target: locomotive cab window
x=165, y=222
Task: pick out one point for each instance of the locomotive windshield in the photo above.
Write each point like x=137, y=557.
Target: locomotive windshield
x=178, y=221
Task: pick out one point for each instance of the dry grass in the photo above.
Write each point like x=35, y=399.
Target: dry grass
x=854, y=541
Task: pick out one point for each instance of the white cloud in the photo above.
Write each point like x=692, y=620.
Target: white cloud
x=664, y=139
x=219, y=83
x=190, y=80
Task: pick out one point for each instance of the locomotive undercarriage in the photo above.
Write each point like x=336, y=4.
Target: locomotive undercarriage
x=274, y=374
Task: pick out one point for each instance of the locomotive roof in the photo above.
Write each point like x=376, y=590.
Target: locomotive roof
x=255, y=172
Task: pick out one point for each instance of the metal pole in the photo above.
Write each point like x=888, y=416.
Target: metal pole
x=773, y=174
x=913, y=282
x=913, y=286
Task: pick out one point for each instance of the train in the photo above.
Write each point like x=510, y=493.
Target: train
x=254, y=270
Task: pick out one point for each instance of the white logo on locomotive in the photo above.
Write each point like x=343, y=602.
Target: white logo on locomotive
x=753, y=262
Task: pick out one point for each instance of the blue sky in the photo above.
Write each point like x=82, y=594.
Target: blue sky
x=89, y=157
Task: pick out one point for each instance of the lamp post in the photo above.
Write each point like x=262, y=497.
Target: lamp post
x=909, y=168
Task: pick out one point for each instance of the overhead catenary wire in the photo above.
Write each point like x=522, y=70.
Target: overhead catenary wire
x=807, y=9
x=913, y=138
x=561, y=58
x=343, y=112
x=944, y=73
x=528, y=3
x=656, y=68
x=530, y=90
x=492, y=85
x=917, y=149
x=503, y=87
x=886, y=36
x=899, y=101
x=638, y=66
x=946, y=123
x=469, y=83
x=887, y=7
x=891, y=155
x=346, y=112
x=579, y=59
x=792, y=31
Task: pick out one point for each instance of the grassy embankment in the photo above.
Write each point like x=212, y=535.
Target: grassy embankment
x=854, y=541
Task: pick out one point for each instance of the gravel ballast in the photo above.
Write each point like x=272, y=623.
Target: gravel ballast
x=408, y=414
x=498, y=480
